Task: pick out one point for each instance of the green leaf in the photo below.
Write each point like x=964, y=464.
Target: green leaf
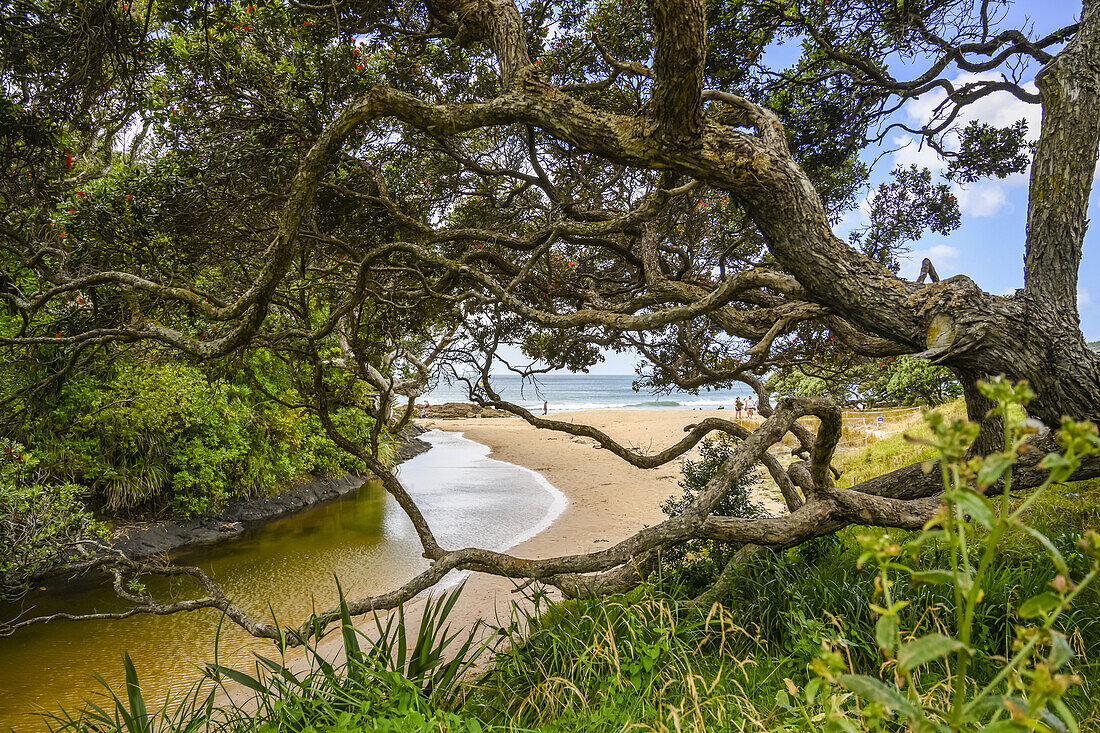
x=921, y=651
x=932, y=577
x=1040, y=605
x=886, y=633
x=1005, y=726
x=993, y=468
x=138, y=711
x=978, y=507
x=240, y=678
x=874, y=690
x=1060, y=650
x=1053, y=722
x=1055, y=554
x=350, y=635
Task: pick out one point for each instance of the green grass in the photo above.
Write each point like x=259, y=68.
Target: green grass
x=892, y=452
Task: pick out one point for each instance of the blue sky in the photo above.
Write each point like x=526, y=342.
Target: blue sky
x=989, y=245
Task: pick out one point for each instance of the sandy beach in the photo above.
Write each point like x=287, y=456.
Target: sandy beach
x=609, y=499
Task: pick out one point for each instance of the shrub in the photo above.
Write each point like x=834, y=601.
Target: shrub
x=931, y=683
x=165, y=436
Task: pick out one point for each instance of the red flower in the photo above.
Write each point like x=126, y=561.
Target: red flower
x=129, y=196
x=72, y=211
x=57, y=335
x=81, y=193
x=359, y=67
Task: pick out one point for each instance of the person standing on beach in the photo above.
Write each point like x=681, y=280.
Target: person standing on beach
x=750, y=405
x=738, y=405
x=424, y=409
x=545, y=406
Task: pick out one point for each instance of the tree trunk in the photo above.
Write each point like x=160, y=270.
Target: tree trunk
x=991, y=427
x=1063, y=168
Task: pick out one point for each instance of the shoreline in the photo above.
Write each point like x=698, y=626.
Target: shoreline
x=608, y=501
x=141, y=539
x=145, y=539
x=560, y=502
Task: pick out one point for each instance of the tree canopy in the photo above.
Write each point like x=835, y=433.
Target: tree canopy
x=379, y=195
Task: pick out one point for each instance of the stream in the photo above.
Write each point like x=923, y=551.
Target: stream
x=285, y=568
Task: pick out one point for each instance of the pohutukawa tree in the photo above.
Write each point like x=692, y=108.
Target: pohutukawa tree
x=390, y=192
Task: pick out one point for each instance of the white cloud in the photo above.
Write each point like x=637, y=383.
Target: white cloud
x=1084, y=299
x=980, y=199
x=910, y=152
x=942, y=255
x=999, y=109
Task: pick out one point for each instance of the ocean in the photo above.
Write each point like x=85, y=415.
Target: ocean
x=570, y=392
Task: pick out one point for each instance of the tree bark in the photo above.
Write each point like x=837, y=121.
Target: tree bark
x=1063, y=168
x=991, y=427
x=679, y=27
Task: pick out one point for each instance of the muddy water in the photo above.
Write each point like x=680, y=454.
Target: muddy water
x=284, y=568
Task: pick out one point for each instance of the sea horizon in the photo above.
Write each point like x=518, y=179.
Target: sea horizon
x=575, y=392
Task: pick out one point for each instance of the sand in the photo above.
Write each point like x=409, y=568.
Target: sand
x=609, y=499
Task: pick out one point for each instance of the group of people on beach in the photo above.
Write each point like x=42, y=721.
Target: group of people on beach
x=747, y=406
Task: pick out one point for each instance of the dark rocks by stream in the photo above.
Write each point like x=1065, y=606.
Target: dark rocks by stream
x=144, y=539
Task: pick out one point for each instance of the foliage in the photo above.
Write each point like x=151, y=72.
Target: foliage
x=166, y=435
x=39, y=522
x=985, y=150
x=901, y=210
x=900, y=380
x=1031, y=680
